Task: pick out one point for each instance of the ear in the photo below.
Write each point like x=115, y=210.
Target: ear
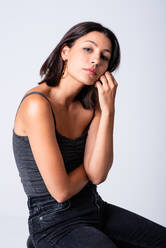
x=65, y=52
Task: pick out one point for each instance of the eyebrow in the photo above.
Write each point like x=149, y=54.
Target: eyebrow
x=107, y=50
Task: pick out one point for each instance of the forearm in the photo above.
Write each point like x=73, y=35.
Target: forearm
x=102, y=155
x=77, y=181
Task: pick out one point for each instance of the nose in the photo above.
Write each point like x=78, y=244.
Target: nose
x=95, y=59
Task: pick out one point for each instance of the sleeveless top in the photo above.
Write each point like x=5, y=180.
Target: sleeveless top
x=72, y=152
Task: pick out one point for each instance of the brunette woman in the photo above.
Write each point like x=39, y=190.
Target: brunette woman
x=63, y=148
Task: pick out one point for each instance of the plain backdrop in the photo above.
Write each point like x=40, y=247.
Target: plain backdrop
x=30, y=30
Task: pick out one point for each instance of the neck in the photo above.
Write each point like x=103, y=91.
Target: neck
x=66, y=91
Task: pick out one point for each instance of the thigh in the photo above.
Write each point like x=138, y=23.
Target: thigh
x=128, y=229
x=86, y=236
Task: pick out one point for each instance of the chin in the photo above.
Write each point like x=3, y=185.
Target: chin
x=84, y=79
x=87, y=80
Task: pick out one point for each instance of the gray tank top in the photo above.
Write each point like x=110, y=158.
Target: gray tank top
x=72, y=152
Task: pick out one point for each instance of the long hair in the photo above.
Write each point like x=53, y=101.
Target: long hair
x=51, y=70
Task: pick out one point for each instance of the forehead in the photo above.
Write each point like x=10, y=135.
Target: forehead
x=99, y=38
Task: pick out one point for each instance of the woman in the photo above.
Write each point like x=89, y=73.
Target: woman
x=63, y=148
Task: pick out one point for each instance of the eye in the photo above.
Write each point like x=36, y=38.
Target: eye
x=87, y=48
x=105, y=58
x=102, y=56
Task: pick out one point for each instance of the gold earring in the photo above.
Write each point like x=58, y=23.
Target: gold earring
x=64, y=68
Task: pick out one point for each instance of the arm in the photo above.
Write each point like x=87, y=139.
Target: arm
x=40, y=128
x=99, y=147
x=98, y=157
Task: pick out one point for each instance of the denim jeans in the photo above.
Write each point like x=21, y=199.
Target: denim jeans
x=87, y=221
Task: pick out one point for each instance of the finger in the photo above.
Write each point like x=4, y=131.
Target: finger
x=104, y=82
x=114, y=91
x=98, y=85
x=114, y=80
x=111, y=80
x=113, y=83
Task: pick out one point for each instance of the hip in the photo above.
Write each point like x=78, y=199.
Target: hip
x=47, y=216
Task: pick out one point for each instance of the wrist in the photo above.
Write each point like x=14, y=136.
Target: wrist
x=108, y=114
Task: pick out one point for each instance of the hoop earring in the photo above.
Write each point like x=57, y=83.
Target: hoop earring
x=64, y=69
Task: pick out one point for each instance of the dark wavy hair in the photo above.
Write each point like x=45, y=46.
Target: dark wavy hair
x=52, y=68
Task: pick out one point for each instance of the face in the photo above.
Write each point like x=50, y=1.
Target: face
x=91, y=51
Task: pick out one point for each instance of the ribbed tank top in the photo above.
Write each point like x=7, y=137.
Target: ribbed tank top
x=72, y=152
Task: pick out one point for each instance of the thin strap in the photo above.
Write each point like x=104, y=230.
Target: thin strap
x=37, y=92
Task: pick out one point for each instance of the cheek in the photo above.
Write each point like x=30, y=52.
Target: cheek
x=74, y=68
x=102, y=71
x=77, y=63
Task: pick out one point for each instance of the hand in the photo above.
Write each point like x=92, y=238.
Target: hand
x=107, y=92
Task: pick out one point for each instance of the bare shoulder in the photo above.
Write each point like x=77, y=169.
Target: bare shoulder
x=35, y=108
x=32, y=100
x=31, y=104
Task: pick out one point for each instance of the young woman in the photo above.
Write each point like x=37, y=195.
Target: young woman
x=63, y=148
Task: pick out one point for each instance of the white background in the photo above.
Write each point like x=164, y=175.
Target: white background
x=29, y=32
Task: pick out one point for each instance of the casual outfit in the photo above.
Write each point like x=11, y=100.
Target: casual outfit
x=85, y=220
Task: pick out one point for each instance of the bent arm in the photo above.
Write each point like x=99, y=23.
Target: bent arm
x=40, y=129
x=98, y=157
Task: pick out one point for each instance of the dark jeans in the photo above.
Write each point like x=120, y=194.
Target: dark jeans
x=86, y=221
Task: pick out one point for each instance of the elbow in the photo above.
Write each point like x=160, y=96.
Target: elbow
x=99, y=181
x=103, y=178
x=96, y=181
x=60, y=198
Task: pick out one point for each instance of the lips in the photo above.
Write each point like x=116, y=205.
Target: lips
x=91, y=71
